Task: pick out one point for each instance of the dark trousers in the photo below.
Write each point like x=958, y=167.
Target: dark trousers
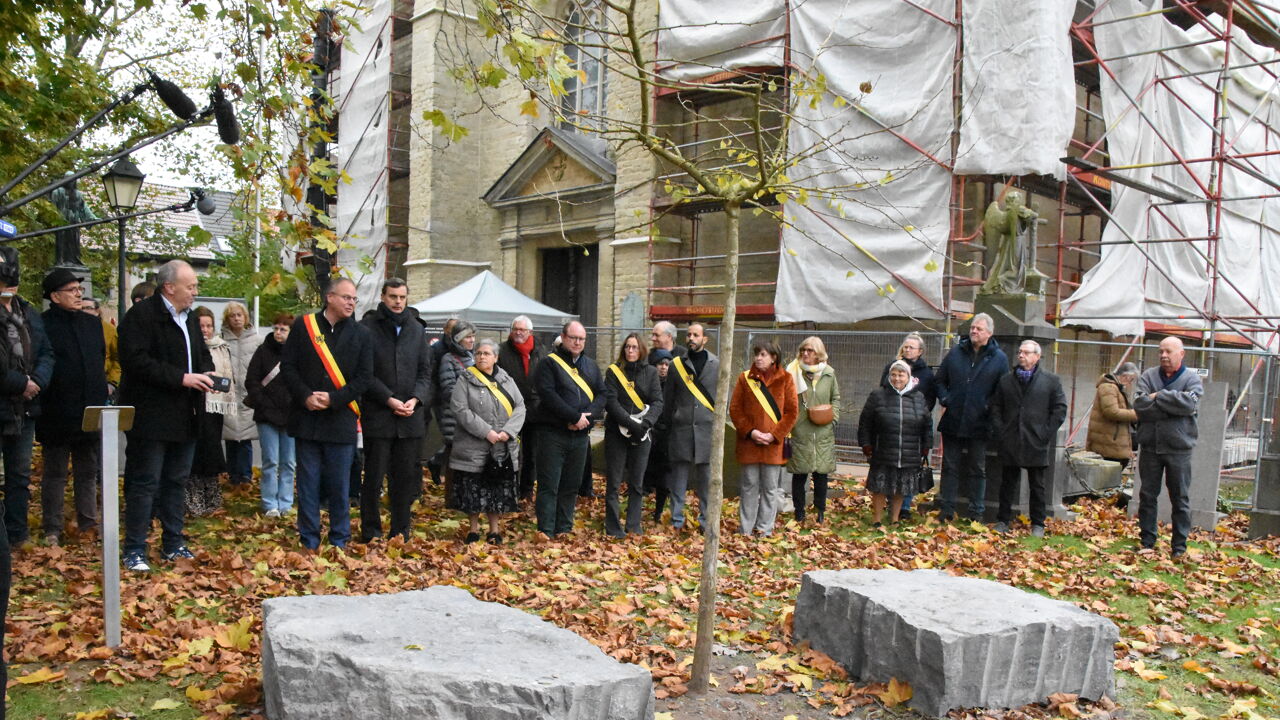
x=964, y=459
x=17, y=481
x=395, y=459
x=625, y=461
x=799, y=484
x=561, y=456
x=83, y=456
x=239, y=460
x=1010, y=478
x=1174, y=472
x=5, y=572
x=155, y=484
x=327, y=466
x=528, y=464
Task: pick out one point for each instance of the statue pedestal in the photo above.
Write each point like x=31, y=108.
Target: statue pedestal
x=1018, y=317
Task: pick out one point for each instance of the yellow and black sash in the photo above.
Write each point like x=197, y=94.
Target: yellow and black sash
x=326, y=357
x=574, y=375
x=627, y=385
x=493, y=388
x=692, y=384
x=763, y=395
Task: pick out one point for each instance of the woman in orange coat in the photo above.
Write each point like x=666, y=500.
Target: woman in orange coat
x=763, y=409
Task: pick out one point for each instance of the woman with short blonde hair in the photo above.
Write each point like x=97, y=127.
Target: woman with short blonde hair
x=239, y=429
x=813, y=439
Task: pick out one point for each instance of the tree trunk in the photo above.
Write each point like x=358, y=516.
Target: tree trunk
x=699, y=680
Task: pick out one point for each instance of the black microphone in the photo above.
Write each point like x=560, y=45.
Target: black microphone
x=204, y=203
x=225, y=116
x=172, y=96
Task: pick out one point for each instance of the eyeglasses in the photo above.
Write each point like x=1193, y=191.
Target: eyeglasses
x=807, y=350
x=75, y=290
x=576, y=338
x=347, y=298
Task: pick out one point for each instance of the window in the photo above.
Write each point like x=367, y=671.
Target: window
x=585, y=94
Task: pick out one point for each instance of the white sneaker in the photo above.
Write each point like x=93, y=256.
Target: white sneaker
x=273, y=513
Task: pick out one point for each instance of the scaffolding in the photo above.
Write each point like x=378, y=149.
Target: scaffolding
x=1080, y=204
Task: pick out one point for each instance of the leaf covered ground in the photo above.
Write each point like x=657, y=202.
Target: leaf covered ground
x=1199, y=636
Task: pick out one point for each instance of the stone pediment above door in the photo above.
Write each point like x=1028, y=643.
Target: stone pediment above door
x=557, y=164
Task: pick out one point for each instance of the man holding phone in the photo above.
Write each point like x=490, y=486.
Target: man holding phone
x=164, y=375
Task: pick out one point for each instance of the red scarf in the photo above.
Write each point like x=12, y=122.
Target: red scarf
x=524, y=349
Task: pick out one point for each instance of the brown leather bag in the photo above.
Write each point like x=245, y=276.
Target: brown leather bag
x=821, y=414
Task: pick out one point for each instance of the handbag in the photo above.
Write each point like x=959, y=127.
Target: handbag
x=821, y=414
x=925, y=483
x=786, y=448
x=498, y=472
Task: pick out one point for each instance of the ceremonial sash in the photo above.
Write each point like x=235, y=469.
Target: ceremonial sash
x=770, y=406
x=493, y=388
x=627, y=385
x=692, y=385
x=574, y=374
x=326, y=357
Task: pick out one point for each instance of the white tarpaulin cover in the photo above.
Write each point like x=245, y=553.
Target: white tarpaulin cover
x=878, y=249
x=363, y=96
x=486, y=299
x=1165, y=280
x=1019, y=93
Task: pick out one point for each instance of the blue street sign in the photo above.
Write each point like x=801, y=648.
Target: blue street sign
x=7, y=229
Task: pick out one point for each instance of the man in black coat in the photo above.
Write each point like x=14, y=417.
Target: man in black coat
x=79, y=381
x=394, y=410
x=519, y=355
x=570, y=400
x=164, y=365
x=323, y=421
x=1027, y=409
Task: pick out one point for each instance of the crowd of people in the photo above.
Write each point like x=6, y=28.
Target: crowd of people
x=340, y=407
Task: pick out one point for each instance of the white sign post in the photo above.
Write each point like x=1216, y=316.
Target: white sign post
x=111, y=420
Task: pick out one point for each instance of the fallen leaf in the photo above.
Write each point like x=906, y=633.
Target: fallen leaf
x=166, y=704
x=896, y=694
x=42, y=675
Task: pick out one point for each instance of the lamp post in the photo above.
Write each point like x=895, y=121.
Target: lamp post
x=123, y=183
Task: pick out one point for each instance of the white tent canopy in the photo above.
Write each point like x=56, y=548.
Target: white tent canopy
x=486, y=300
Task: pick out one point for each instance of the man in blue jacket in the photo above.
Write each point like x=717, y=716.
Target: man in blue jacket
x=570, y=394
x=965, y=382
x=1167, y=400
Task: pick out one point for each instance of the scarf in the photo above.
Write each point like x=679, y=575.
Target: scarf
x=396, y=318
x=799, y=370
x=698, y=359
x=216, y=402
x=525, y=349
x=17, y=339
x=1025, y=375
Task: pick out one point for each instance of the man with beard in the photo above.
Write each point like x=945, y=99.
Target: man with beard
x=691, y=410
x=394, y=410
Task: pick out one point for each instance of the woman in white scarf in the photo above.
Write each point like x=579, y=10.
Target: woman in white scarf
x=813, y=439
x=204, y=496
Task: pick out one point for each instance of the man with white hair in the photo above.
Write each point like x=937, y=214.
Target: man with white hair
x=663, y=337
x=964, y=382
x=1027, y=409
x=519, y=355
x=1167, y=400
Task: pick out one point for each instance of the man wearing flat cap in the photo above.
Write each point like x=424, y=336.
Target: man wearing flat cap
x=79, y=381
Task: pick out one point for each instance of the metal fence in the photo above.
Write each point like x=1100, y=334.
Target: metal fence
x=859, y=359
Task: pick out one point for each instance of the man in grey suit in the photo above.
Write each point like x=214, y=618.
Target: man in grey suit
x=1167, y=400
x=690, y=403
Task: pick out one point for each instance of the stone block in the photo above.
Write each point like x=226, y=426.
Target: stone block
x=960, y=642
x=436, y=653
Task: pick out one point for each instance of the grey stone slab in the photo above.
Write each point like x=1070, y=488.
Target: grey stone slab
x=960, y=642
x=436, y=653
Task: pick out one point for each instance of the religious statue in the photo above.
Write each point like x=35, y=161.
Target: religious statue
x=71, y=204
x=1011, y=233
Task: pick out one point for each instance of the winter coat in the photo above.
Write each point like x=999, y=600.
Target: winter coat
x=813, y=447
x=923, y=374
x=452, y=365
x=112, y=362
x=509, y=359
x=153, y=359
x=270, y=402
x=1025, y=418
x=618, y=405
x=964, y=383
x=560, y=400
x=689, y=422
x=1110, y=420
x=748, y=414
x=14, y=410
x=401, y=369
x=79, y=379
x=303, y=373
x=1167, y=423
x=476, y=411
x=239, y=425
x=898, y=428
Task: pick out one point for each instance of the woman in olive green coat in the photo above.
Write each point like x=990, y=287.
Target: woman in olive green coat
x=813, y=446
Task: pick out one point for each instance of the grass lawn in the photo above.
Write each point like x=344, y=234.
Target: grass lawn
x=1199, y=636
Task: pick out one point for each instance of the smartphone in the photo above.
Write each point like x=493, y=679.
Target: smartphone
x=221, y=384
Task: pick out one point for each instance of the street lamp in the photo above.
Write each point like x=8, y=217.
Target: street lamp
x=123, y=183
